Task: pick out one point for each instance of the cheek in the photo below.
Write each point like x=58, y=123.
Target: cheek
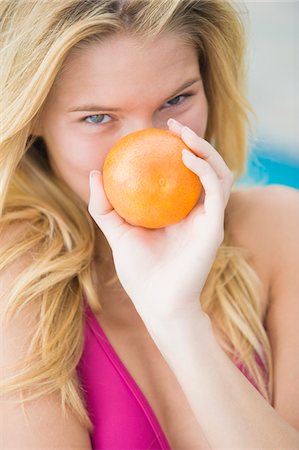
x=74, y=156
x=196, y=118
x=77, y=153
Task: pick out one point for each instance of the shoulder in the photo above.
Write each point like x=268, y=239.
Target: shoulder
x=49, y=426
x=265, y=217
x=13, y=255
x=273, y=218
x=16, y=326
x=13, y=262
x=264, y=220
x=264, y=202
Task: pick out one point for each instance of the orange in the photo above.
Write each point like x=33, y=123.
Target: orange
x=146, y=181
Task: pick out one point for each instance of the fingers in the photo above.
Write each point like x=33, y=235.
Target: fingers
x=206, y=151
x=102, y=211
x=213, y=193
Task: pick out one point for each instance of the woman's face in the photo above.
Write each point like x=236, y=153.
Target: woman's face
x=114, y=88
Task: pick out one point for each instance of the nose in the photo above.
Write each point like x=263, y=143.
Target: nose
x=141, y=124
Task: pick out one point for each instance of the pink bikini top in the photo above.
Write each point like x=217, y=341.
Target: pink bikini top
x=121, y=415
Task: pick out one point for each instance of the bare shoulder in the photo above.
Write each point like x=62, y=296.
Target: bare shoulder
x=265, y=221
x=268, y=219
x=12, y=265
x=265, y=218
x=272, y=197
x=41, y=423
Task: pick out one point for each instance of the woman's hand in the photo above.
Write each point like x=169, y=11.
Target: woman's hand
x=164, y=270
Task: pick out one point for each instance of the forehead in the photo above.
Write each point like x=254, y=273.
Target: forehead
x=123, y=62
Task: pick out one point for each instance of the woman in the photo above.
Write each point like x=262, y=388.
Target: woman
x=116, y=336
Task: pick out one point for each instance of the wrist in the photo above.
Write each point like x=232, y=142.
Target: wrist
x=181, y=331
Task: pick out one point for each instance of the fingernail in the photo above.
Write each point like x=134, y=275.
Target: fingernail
x=189, y=131
x=171, y=122
x=93, y=174
x=187, y=154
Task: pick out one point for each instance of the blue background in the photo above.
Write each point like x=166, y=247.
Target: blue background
x=273, y=91
x=268, y=164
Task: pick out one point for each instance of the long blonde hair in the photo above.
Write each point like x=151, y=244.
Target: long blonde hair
x=36, y=37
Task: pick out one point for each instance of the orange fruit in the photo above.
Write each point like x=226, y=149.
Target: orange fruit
x=146, y=181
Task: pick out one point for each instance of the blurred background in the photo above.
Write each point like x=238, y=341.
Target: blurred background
x=273, y=87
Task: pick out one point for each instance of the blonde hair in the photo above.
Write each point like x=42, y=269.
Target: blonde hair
x=36, y=37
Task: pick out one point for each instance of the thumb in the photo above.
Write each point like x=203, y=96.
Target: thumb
x=101, y=210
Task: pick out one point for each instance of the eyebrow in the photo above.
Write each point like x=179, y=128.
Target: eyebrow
x=94, y=107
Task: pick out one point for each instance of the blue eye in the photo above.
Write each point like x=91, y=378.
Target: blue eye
x=98, y=119
x=178, y=99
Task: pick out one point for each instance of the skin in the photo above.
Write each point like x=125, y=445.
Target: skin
x=141, y=92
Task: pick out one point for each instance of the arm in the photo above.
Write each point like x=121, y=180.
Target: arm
x=44, y=425
x=230, y=410
x=283, y=313
x=164, y=271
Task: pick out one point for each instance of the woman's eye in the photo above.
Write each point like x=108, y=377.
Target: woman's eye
x=96, y=119
x=178, y=99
